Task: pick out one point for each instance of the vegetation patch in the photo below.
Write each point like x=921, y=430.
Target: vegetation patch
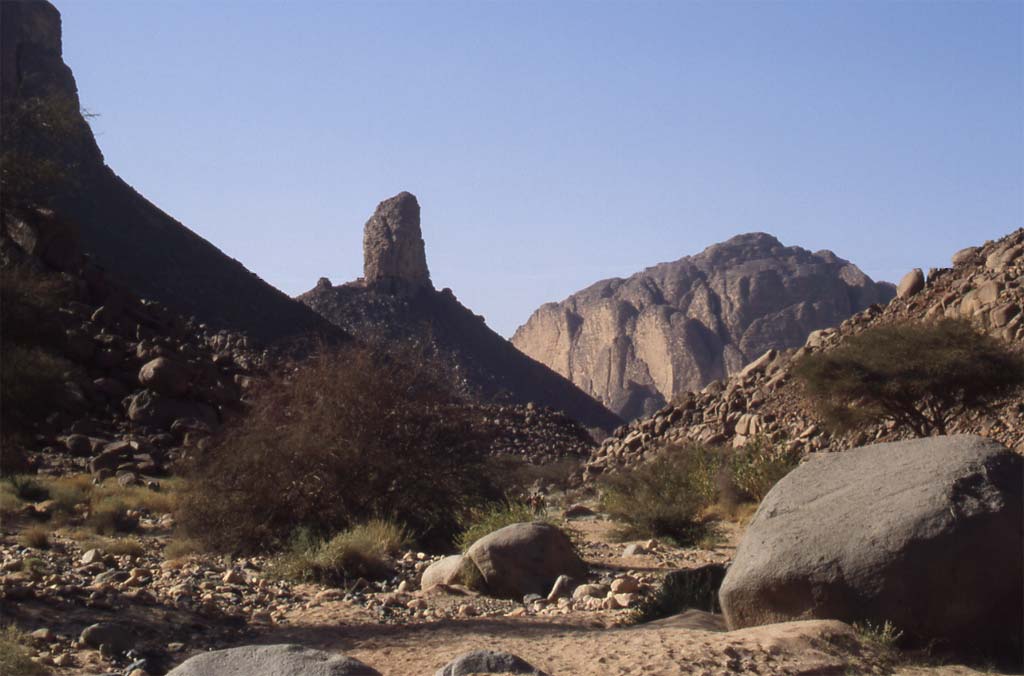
x=346, y=437
x=364, y=551
x=480, y=521
x=14, y=656
x=666, y=497
x=920, y=376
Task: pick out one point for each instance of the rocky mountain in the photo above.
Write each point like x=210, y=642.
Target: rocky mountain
x=60, y=198
x=636, y=343
x=395, y=302
x=763, y=399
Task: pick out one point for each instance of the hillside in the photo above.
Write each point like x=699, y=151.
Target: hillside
x=395, y=302
x=53, y=163
x=635, y=343
x=983, y=285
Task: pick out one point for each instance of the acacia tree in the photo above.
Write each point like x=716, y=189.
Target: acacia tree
x=918, y=375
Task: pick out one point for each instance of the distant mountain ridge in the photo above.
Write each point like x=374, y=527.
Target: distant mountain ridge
x=636, y=343
x=127, y=236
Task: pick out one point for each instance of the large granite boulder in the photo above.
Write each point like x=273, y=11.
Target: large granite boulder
x=394, y=257
x=634, y=344
x=272, y=660
x=926, y=534
x=525, y=558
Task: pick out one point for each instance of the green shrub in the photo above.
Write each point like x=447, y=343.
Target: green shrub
x=364, y=551
x=14, y=656
x=759, y=465
x=918, y=375
x=480, y=521
x=665, y=497
x=345, y=437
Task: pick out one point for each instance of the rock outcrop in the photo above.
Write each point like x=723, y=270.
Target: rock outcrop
x=85, y=208
x=394, y=257
x=925, y=534
x=395, y=304
x=634, y=344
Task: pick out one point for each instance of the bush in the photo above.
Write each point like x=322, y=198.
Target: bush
x=486, y=519
x=759, y=465
x=109, y=515
x=667, y=496
x=348, y=436
x=35, y=537
x=27, y=488
x=364, y=551
x=918, y=375
x=14, y=656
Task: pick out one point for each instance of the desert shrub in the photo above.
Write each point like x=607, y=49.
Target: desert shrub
x=142, y=498
x=681, y=590
x=363, y=551
x=35, y=537
x=918, y=375
x=14, y=656
x=108, y=515
x=179, y=547
x=665, y=497
x=479, y=521
x=68, y=492
x=27, y=488
x=116, y=546
x=346, y=437
x=759, y=465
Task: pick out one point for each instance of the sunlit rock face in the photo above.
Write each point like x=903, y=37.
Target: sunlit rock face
x=635, y=343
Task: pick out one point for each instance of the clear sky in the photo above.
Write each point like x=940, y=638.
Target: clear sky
x=553, y=144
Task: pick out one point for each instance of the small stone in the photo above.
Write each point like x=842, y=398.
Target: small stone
x=234, y=576
x=92, y=556
x=634, y=550
x=43, y=634
x=625, y=585
x=416, y=604
x=466, y=610
x=562, y=587
x=65, y=660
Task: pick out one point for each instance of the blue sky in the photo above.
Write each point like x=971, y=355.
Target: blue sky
x=552, y=144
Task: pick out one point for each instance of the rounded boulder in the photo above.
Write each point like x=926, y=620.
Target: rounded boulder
x=525, y=558
x=925, y=534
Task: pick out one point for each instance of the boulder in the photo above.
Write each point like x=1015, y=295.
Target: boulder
x=272, y=660
x=488, y=662
x=911, y=283
x=165, y=376
x=926, y=534
x=525, y=558
x=445, y=571
x=116, y=637
x=156, y=410
x=968, y=255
